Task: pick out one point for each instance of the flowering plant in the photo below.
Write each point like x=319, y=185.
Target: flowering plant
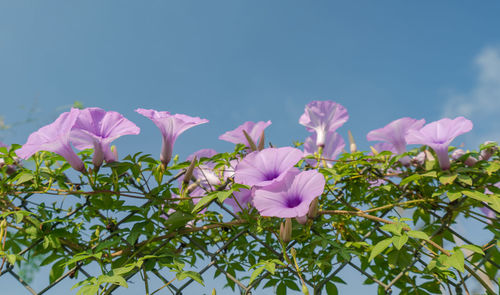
x=299, y=216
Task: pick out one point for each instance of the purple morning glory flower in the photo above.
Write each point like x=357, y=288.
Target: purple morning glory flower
x=170, y=126
x=204, y=172
x=2, y=144
x=323, y=116
x=244, y=197
x=395, y=132
x=264, y=167
x=96, y=128
x=334, y=145
x=438, y=135
x=254, y=130
x=54, y=138
x=290, y=197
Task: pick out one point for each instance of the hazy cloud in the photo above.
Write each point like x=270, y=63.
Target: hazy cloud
x=482, y=103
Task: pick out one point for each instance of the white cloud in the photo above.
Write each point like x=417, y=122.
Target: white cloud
x=482, y=103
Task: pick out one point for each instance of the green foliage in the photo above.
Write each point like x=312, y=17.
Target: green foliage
x=132, y=217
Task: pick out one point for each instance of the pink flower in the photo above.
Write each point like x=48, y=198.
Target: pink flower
x=395, y=132
x=323, y=116
x=254, y=130
x=54, y=137
x=333, y=147
x=204, y=172
x=96, y=128
x=264, y=167
x=438, y=135
x=170, y=126
x=290, y=197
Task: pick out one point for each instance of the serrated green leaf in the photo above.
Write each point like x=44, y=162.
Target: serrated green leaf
x=379, y=247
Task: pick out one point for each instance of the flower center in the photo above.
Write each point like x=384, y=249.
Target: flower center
x=293, y=201
x=270, y=175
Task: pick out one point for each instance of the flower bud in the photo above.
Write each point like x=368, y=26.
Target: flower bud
x=252, y=145
x=486, y=154
x=456, y=154
x=261, y=141
x=352, y=143
x=286, y=231
x=313, y=209
x=419, y=159
x=189, y=172
x=471, y=161
x=301, y=219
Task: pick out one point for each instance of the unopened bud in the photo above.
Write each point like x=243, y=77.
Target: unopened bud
x=374, y=151
x=252, y=145
x=428, y=155
x=313, y=209
x=286, y=231
x=301, y=219
x=114, y=154
x=470, y=161
x=189, y=172
x=352, y=143
x=261, y=141
x=193, y=186
x=486, y=154
x=98, y=157
x=456, y=154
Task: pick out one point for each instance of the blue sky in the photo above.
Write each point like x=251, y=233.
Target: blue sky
x=234, y=61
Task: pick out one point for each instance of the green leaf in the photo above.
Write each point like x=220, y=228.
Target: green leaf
x=494, y=202
x=473, y=248
x=331, y=289
x=448, y=178
x=453, y=195
x=124, y=269
x=456, y=260
x=476, y=195
x=399, y=241
x=115, y=280
x=281, y=289
x=417, y=234
x=57, y=270
x=190, y=274
x=25, y=177
x=379, y=247
x=205, y=200
x=410, y=178
x=221, y=196
x=256, y=273
x=465, y=179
